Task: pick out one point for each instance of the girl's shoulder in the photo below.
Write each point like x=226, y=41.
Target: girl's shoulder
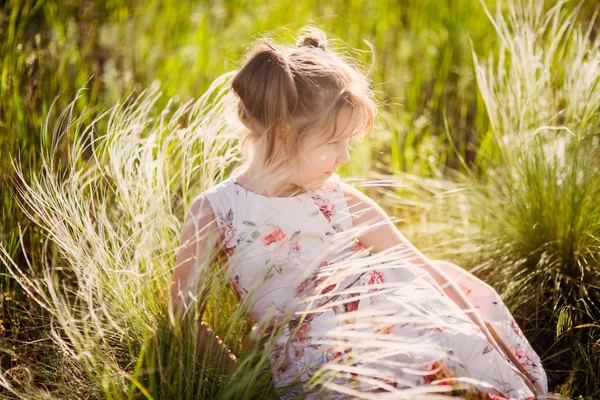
x=363, y=207
x=218, y=188
x=229, y=195
x=219, y=196
x=353, y=195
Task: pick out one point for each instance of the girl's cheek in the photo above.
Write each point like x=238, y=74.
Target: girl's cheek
x=325, y=157
x=318, y=157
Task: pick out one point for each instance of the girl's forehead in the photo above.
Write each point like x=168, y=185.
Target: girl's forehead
x=345, y=125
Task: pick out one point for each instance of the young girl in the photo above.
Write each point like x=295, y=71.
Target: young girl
x=295, y=233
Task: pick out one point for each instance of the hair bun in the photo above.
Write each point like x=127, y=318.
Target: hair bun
x=314, y=38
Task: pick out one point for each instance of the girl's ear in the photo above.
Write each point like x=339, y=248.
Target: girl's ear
x=278, y=145
x=286, y=131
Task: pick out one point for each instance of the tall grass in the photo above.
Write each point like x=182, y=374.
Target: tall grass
x=115, y=223
x=51, y=48
x=114, y=220
x=546, y=76
x=536, y=204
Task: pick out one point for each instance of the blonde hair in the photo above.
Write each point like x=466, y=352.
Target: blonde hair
x=292, y=92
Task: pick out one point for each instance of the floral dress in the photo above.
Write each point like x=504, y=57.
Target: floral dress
x=282, y=253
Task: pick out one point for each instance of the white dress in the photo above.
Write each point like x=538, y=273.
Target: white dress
x=275, y=247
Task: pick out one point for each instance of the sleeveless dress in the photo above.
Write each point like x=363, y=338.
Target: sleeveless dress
x=280, y=251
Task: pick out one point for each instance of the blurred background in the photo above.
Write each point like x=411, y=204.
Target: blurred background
x=465, y=89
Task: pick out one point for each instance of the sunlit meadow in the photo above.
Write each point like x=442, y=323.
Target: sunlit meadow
x=485, y=152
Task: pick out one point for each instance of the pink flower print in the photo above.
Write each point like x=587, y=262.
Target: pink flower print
x=516, y=328
x=521, y=354
x=276, y=352
x=332, y=354
x=309, y=285
x=282, y=250
x=386, y=381
x=353, y=305
x=328, y=288
x=346, y=307
x=356, y=245
x=386, y=330
x=275, y=236
x=375, y=277
x=338, y=352
x=299, y=337
x=325, y=206
x=328, y=187
x=228, y=233
x=304, y=285
x=441, y=372
x=350, y=307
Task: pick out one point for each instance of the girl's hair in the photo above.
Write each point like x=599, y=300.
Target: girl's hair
x=295, y=92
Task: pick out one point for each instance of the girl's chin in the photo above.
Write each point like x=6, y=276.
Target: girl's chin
x=318, y=182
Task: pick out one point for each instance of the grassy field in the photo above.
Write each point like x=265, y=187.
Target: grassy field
x=488, y=125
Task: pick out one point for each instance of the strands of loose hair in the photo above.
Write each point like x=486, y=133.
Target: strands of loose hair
x=293, y=93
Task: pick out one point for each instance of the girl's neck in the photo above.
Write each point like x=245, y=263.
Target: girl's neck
x=272, y=182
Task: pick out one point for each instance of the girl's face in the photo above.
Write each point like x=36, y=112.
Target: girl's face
x=319, y=159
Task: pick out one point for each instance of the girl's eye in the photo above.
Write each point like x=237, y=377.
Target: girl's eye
x=336, y=142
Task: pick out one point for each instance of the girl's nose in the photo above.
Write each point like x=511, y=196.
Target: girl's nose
x=344, y=157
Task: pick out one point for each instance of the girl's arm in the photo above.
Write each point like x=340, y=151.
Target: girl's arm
x=197, y=250
x=378, y=233
x=382, y=234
